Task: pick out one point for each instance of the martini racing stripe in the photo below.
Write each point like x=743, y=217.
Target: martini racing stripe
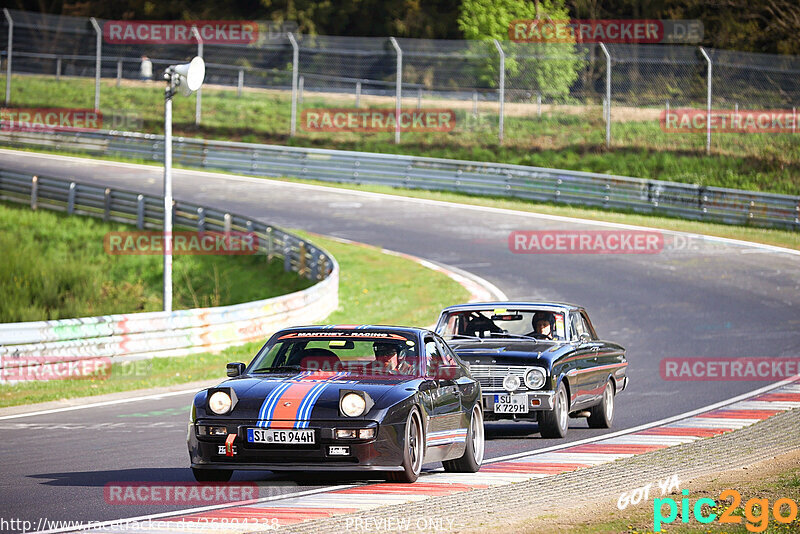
x=446, y=436
x=289, y=404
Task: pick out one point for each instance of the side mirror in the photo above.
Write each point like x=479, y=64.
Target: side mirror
x=235, y=369
x=428, y=385
x=585, y=338
x=447, y=372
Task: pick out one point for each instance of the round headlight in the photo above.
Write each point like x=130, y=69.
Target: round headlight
x=534, y=378
x=353, y=405
x=511, y=383
x=220, y=403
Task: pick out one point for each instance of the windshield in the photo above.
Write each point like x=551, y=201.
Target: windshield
x=370, y=354
x=503, y=323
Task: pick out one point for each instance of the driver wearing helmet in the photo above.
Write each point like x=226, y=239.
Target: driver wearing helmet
x=543, y=325
x=389, y=360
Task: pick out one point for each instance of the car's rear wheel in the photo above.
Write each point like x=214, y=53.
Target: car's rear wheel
x=413, y=450
x=602, y=415
x=212, y=475
x=554, y=423
x=472, y=459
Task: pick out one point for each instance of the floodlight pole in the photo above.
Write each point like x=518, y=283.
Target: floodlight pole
x=198, y=106
x=169, y=92
x=9, y=54
x=398, y=89
x=97, y=61
x=708, y=100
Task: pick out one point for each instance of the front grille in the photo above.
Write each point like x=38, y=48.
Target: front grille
x=491, y=377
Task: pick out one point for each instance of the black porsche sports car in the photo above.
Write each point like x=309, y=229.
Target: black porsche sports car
x=537, y=360
x=344, y=398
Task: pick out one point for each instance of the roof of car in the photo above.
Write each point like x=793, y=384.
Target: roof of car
x=356, y=327
x=511, y=304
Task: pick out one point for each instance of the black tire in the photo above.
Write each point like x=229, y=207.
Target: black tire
x=413, y=450
x=212, y=475
x=472, y=459
x=554, y=423
x=602, y=415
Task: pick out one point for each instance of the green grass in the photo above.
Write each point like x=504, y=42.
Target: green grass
x=374, y=288
x=571, y=138
x=54, y=266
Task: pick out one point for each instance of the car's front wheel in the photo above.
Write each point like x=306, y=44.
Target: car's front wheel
x=602, y=415
x=554, y=423
x=472, y=459
x=212, y=475
x=413, y=450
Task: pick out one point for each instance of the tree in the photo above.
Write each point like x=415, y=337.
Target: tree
x=549, y=68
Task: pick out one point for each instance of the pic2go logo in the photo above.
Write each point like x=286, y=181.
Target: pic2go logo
x=756, y=511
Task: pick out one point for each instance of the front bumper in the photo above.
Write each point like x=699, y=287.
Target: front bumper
x=382, y=453
x=538, y=401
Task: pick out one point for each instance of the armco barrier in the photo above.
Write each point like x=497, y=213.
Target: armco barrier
x=715, y=204
x=143, y=335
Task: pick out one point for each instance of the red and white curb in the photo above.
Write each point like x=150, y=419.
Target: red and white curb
x=272, y=512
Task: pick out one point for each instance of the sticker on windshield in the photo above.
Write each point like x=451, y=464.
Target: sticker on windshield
x=560, y=326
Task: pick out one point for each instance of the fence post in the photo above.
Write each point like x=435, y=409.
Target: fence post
x=58, y=69
x=301, y=83
x=198, y=106
x=502, y=88
x=398, y=89
x=608, y=94
x=71, y=199
x=794, y=119
x=358, y=94
x=140, y=212
x=295, y=66
x=201, y=220
x=227, y=223
x=34, y=192
x=240, y=83
x=97, y=62
x=474, y=103
x=708, y=104
x=538, y=103
x=119, y=71
x=419, y=97
x=9, y=53
x=107, y=204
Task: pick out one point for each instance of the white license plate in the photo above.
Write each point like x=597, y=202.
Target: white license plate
x=510, y=404
x=291, y=437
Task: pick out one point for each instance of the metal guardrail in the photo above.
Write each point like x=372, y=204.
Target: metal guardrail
x=143, y=335
x=714, y=204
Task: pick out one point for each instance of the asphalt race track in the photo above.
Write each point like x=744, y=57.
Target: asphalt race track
x=715, y=300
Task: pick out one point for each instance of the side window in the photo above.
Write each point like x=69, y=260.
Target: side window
x=448, y=358
x=587, y=325
x=433, y=358
x=578, y=326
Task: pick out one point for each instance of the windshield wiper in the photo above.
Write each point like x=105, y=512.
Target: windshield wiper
x=521, y=336
x=277, y=368
x=464, y=336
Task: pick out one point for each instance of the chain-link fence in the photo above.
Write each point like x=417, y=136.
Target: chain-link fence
x=548, y=95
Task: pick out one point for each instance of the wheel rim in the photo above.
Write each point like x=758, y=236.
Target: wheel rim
x=415, y=444
x=608, y=395
x=562, y=409
x=477, y=435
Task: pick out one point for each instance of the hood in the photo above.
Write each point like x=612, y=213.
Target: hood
x=281, y=396
x=507, y=352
